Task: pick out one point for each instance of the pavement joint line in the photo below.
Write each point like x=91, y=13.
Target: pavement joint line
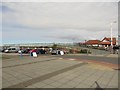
x=110, y=79
x=45, y=77
x=99, y=78
x=87, y=77
x=28, y=63
x=74, y=78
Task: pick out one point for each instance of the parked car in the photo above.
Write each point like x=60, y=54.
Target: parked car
x=11, y=50
x=2, y=50
x=55, y=52
x=116, y=49
x=42, y=51
x=26, y=51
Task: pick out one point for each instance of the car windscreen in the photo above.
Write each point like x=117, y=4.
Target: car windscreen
x=13, y=48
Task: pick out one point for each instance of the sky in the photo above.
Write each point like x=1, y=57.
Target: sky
x=52, y=22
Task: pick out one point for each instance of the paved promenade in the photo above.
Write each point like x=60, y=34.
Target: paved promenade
x=56, y=72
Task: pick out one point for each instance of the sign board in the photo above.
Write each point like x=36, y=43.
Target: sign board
x=34, y=54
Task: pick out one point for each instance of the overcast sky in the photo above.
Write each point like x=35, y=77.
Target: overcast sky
x=57, y=21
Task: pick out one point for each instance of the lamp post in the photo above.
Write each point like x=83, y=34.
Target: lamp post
x=111, y=41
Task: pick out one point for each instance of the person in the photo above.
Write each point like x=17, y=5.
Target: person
x=31, y=51
x=20, y=52
x=34, y=52
x=61, y=52
x=50, y=50
x=115, y=49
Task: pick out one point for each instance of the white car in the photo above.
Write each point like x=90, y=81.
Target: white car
x=11, y=50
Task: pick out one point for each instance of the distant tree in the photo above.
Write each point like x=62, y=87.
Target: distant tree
x=54, y=46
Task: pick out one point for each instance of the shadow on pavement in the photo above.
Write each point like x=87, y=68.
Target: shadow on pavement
x=98, y=86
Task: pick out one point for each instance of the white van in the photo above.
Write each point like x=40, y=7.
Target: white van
x=12, y=50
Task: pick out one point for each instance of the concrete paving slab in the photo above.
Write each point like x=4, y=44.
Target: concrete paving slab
x=48, y=81
x=72, y=84
x=39, y=84
x=48, y=86
x=56, y=84
x=57, y=74
x=6, y=84
x=88, y=82
x=82, y=86
x=65, y=86
x=54, y=79
x=102, y=86
x=63, y=80
x=30, y=87
x=76, y=80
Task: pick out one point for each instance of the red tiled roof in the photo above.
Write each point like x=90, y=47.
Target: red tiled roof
x=108, y=41
x=93, y=42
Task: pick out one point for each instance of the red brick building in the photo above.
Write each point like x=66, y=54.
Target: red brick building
x=106, y=42
x=93, y=42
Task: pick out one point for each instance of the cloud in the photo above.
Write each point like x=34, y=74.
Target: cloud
x=63, y=14
x=52, y=21
x=5, y=9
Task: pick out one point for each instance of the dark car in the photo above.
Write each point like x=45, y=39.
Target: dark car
x=42, y=51
x=26, y=51
x=2, y=50
x=116, y=49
